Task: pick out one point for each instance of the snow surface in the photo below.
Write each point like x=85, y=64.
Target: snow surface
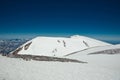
x=110, y=61
x=18, y=69
x=99, y=66
x=59, y=46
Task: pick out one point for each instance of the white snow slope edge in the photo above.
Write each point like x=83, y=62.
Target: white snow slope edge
x=58, y=46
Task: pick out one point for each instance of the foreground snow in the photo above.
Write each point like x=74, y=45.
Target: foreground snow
x=18, y=69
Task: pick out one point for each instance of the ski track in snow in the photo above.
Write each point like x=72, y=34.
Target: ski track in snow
x=18, y=69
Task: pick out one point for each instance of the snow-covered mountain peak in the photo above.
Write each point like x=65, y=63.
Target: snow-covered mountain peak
x=57, y=46
x=75, y=36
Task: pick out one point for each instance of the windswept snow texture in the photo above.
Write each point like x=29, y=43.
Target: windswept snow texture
x=18, y=69
x=58, y=46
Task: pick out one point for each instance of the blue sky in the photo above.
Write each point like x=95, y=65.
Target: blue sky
x=30, y=18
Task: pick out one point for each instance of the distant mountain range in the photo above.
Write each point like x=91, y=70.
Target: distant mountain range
x=8, y=45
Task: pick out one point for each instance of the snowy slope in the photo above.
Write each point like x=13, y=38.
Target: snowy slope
x=57, y=46
x=105, y=60
x=99, y=67
x=18, y=69
x=93, y=50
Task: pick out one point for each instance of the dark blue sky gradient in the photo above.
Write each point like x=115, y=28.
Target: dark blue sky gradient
x=59, y=17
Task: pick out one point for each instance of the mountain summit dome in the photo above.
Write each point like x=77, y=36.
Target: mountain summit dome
x=57, y=46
